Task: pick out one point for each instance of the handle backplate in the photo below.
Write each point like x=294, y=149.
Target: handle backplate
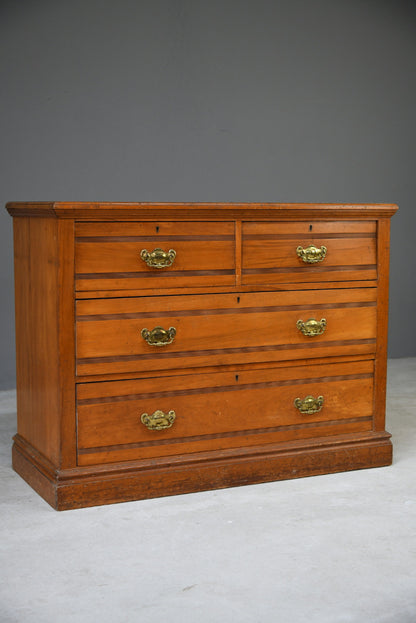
x=312, y=327
x=309, y=405
x=159, y=336
x=311, y=255
x=158, y=258
x=158, y=420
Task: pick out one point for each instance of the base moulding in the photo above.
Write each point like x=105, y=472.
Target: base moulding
x=106, y=484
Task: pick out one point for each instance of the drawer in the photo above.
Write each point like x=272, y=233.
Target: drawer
x=221, y=410
x=161, y=333
x=120, y=256
x=282, y=252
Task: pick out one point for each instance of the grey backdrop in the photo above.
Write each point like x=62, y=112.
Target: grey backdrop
x=211, y=100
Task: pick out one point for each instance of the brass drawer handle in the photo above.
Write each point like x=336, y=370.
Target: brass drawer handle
x=159, y=336
x=309, y=405
x=158, y=258
x=158, y=420
x=311, y=255
x=312, y=327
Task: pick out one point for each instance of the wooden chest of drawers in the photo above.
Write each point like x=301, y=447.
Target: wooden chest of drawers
x=171, y=348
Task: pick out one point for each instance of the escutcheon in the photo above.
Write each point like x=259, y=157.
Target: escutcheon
x=158, y=420
x=312, y=327
x=158, y=258
x=312, y=254
x=309, y=405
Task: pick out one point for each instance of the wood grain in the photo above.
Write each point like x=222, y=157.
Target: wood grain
x=277, y=253
x=135, y=480
x=253, y=402
x=234, y=294
x=107, y=255
x=37, y=334
x=236, y=368
x=142, y=211
x=236, y=289
x=214, y=327
x=269, y=252
x=165, y=230
x=44, y=277
x=94, y=393
x=119, y=257
x=66, y=320
x=383, y=257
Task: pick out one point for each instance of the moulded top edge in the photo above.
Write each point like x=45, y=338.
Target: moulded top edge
x=146, y=210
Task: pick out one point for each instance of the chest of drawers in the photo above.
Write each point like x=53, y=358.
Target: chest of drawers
x=171, y=348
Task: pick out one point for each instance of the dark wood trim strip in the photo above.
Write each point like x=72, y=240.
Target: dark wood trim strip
x=255, y=431
x=154, y=239
x=309, y=235
x=286, y=286
x=220, y=312
x=308, y=269
x=220, y=351
x=222, y=389
x=143, y=275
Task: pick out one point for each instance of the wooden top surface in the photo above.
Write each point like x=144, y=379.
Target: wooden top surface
x=209, y=211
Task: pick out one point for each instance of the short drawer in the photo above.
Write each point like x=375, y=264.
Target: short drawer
x=146, y=255
x=119, y=420
x=300, y=252
x=160, y=333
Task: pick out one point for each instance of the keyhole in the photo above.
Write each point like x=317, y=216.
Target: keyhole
x=238, y=299
x=157, y=229
x=310, y=227
x=236, y=377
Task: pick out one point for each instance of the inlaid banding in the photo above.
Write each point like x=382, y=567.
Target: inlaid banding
x=256, y=431
x=308, y=269
x=221, y=351
x=221, y=389
x=219, y=312
x=155, y=239
x=303, y=235
x=151, y=275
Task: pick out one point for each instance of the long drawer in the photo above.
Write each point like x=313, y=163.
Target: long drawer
x=162, y=333
x=119, y=420
x=316, y=251
x=145, y=255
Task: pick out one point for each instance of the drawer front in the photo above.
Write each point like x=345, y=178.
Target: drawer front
x=119, y=335
x=221, y=410
x=308, y=252
x=121, y=256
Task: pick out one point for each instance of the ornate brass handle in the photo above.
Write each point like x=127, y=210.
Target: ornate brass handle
x=158, y=258
x=312, y=327
x=309, y=405
x=311, y=255
x=159, y=336
x=158, y=420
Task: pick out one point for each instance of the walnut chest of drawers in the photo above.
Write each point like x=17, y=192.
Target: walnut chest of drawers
x=171, y=348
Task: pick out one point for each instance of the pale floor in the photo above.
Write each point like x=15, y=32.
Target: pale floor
x=329, y=549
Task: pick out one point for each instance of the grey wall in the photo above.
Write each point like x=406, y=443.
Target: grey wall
x=210, y=100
